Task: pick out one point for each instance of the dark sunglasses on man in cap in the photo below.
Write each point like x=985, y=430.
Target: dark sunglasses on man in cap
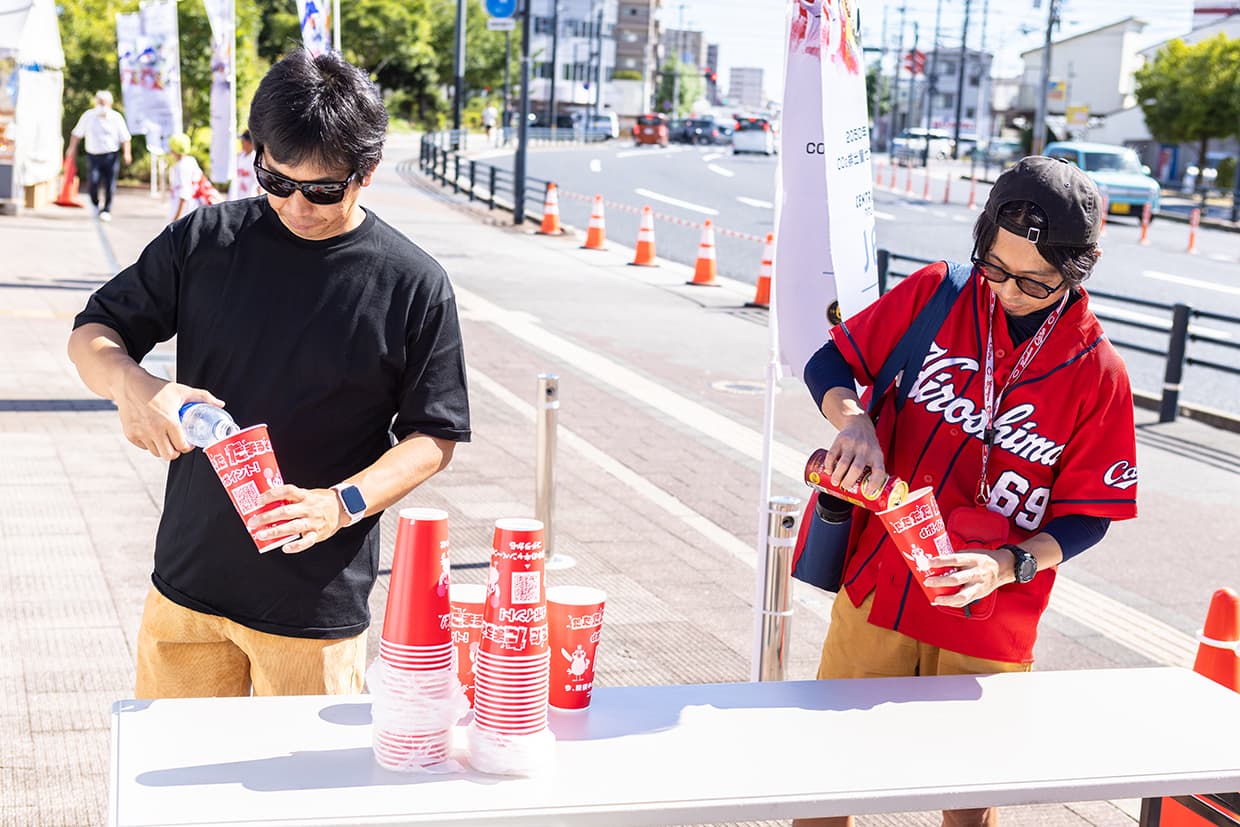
x=1029, y=286
x=316, y=192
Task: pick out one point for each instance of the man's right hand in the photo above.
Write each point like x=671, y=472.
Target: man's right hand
x=150, y=412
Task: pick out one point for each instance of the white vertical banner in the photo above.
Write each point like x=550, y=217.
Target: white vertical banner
x=315, y=19
x=150, y=65
x=824, y=227
x=221, y=14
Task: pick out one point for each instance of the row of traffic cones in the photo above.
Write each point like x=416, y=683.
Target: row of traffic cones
x=705, y=267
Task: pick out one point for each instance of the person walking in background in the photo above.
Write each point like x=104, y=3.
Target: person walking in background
x=243, y=184
x=490, y=117
x=107, y=138
x=308, y=313
x=184, y=177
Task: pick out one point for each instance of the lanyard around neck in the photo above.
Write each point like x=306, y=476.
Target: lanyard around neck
x=990, y=403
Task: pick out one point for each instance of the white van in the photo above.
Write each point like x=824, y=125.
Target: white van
x=597, y=127
x=753, y=135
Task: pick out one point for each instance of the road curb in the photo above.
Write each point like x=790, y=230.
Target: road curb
x=1207, y=416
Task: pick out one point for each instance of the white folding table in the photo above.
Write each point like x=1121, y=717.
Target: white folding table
x=654, y=755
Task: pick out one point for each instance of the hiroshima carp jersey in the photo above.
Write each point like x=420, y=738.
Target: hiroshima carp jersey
x=1065, y=444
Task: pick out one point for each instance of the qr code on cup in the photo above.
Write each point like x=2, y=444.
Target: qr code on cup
x=526, y=587
x=246, y=496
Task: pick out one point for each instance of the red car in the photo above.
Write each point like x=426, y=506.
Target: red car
x=650, y=129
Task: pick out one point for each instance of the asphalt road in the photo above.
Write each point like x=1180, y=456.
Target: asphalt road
x=686, y=185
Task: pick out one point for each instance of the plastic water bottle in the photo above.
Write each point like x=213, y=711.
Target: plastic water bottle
x=206, y=424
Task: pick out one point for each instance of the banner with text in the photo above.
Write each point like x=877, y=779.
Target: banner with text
x=222, y=16
x=150, y=65
x=316, y=25
x=824, y=225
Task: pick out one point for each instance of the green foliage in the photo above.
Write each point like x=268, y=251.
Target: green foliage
x=878, y=96
x=690, y=90
x=626, y=74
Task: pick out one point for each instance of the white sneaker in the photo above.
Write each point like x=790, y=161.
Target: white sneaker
x=105, y=216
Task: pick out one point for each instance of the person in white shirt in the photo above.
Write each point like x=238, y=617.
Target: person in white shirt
x=106, y=136
x=183, y=177
x=490, y=116
x=243, y=184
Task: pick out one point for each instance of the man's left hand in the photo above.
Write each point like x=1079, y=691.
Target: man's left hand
x=978, y=572
x=314, y=513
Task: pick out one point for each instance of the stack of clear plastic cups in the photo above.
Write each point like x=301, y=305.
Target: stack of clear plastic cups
x=509, y=734
x=416, y=695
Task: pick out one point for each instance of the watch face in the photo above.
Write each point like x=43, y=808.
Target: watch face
x=1026, y=568
x=353, y=500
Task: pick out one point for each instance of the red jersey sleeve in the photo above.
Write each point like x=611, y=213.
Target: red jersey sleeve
x=868, y=338
x=1098, y=468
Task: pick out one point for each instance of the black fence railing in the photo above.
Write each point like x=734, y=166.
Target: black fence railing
x=1180, y=332
x=488, y=183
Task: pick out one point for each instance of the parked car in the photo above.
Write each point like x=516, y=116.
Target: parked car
x=676, y=131
x=1116, y=170
x=650, y=129
x=703, y=131
x=1209, y=175
x=910, y=145
x=753, y=135
x=602, y=126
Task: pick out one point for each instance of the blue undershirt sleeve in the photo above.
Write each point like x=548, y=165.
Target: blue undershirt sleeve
x=825, y=370
x=1077, y=532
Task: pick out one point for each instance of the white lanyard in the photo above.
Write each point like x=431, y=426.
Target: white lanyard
x=990, y=403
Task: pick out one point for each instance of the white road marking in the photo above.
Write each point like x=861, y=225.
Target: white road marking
x=754, y=202
x=596, y=165
x=710, y=156
x=718, y=170
x=675, y=202
x=884, y=216
x=963, y=219
x=1187, y=282
x=1129, y=627
x=651, y=151
x=1222, y=257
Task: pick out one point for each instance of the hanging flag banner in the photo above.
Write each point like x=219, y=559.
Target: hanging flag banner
x=825, y=267
x=316, y=25
x=150, y=65
x=221, y=14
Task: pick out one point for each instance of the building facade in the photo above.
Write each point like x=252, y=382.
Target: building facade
x=585, y=52
x=745, y=88
x=1094, y=69
x=638, y=35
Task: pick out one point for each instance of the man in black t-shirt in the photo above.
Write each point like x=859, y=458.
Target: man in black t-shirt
x=307, y=313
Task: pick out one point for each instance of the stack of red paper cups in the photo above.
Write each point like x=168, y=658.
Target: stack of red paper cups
x=513, y=666
x=467, y=600
x=417, y=696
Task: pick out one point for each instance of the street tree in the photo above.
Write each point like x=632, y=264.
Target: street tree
x=1189, y=93
x=688, y=91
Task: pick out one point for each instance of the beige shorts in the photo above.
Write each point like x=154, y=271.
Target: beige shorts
x=188, y=654
x=856, y=648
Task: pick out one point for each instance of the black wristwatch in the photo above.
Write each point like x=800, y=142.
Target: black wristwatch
x=1026, y=563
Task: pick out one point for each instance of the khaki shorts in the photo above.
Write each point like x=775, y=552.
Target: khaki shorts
x=188, y=654
x=855, y=648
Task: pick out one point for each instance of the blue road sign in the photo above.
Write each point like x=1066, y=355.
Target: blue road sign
x=501, y=8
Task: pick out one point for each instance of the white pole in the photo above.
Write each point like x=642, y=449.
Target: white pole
x=764, y=494
x=336, y=26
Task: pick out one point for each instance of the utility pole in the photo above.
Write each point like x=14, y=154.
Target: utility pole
x=912, y=79
x=895, y=84
x=882, y=81
x=932, y=81
x=458, y=70
x=982, y=112
x=1039, y=121
x=507, y=84
x=555, y=43
x=335, y=30
x=523, y=124
x=679, y=48
x=598, y=66
x=964, y=58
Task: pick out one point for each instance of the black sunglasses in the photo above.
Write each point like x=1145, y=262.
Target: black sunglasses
x=1030, y=287
x=316, y=192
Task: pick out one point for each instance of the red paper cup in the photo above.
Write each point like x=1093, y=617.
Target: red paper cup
x=418, y=612
x=574, y=621
x=246, y=465
x=467, y=600
x=920, y=534
x=515, y=611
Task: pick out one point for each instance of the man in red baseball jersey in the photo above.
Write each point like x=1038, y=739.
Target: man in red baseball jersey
x=1022, y=409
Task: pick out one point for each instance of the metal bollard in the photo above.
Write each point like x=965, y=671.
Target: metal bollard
x=781, y=532
x=544, y=469
x=1177, y=349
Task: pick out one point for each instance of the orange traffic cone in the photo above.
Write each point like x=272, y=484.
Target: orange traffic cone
x=762, y=296
x=644, y=254
x=69, y=186
x=551, y=212
x=704, y=269
x=1218, y=655
x=596, y=235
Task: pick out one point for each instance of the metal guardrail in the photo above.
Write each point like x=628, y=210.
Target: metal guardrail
x=493, y=185
x=457, y=139
x=1179, y=329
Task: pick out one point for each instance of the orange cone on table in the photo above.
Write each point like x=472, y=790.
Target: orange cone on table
x=551, y=212
x=644, y=254
x=1218, y=657
x=762, y=295
x=596, y=234
x=69, y=186
x=705, y=268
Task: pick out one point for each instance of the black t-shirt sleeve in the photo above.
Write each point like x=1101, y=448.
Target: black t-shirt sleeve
x=434, y=395
x=140, y=302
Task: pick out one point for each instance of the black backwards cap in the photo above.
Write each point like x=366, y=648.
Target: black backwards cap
x=1067, y=195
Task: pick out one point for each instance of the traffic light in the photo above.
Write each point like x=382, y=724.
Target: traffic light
x=915, y=62
x=710, y=75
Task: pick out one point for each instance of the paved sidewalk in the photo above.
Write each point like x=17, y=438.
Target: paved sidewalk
x=657, y=482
